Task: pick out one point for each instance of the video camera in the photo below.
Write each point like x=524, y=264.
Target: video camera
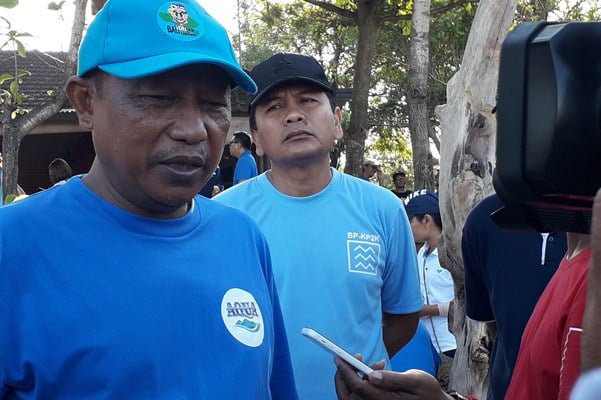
x=548, y=166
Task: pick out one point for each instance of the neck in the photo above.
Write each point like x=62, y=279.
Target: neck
x=577, y=243
x=300, y=181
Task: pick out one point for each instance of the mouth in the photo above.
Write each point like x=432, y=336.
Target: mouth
x=184, y=164
x=297, y=135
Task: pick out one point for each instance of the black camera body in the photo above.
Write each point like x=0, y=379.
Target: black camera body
x=548, y=165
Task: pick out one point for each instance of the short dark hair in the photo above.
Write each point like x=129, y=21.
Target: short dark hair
x=436, y=217
x=243, y=138
x=253, y=119
x=397, y=174
x=59, y=170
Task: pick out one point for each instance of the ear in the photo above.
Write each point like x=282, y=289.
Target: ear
x=80, y=92
x=256, y=140
x=338, y=123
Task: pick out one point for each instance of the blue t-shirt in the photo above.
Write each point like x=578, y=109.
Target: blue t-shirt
x=341, y=257
x=505, y=274
x=246, y=167
x=100, y=303
x=418, y=353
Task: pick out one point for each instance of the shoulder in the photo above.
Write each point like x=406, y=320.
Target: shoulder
x=362, y=187
x=248, y=191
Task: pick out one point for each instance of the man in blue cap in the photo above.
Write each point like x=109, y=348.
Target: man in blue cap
x=112, y=286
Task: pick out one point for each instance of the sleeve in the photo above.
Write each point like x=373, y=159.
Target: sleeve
x=473, y=247
x=401, y=292
x=570, y=361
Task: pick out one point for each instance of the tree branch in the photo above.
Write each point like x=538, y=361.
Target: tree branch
x=435, y=11
x=335, y=9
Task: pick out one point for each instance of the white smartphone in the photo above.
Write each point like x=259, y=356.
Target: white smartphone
x=334, y=349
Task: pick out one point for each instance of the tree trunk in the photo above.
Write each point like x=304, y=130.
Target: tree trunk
x=16, y=129
x=417, y=95
x=467, y=156
x=368, y=18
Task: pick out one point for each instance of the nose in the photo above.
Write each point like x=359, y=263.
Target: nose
x=190, y=125
x=294, y=114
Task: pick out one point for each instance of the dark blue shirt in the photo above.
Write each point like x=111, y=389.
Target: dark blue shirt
x=505, y=273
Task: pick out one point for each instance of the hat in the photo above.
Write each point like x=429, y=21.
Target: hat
x=135, y=38
x=287, y=67
x=369, y=161
x=421, y=202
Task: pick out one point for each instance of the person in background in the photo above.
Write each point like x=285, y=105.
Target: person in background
x=399, y=179
x=436, y=282
x=213, y=185
x=371, y=168
x=501, y=289
x=114, y=285
x=239, y=147
x=588, y=385
x=59, y=171
x=548, y=362
x=344, y=261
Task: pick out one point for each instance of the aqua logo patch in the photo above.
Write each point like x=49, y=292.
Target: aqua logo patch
x=363, y=257
x=242, y=317
x=179, y=22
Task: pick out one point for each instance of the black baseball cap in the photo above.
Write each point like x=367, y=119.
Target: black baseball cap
x=287, y=67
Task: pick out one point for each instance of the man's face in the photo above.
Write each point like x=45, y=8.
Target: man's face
x=235, y=148
x=400, y=181
x=296, y=125
x=158, y=139
x=369, y=170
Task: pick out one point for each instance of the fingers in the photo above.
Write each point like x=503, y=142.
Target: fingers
x=345, y=376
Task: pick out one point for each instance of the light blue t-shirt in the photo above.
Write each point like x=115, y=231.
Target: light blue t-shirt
x=340, y=258
x=246, y=167
x=100, y=303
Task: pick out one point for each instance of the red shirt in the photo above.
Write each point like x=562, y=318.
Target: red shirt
x=549, y=359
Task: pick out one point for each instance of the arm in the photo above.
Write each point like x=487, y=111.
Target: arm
x=591, y=351
x=397, y=330
x=386, y=385
x=433, y=310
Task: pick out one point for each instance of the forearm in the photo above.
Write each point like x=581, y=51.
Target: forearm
x=397, y=330
x=434, y=310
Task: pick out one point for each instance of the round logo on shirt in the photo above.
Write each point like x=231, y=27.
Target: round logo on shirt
x=242, y=317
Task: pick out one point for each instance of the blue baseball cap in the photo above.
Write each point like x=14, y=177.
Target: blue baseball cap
x=136, y=38
x=421, y=202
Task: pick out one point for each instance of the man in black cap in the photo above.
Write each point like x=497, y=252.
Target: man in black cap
x=344, y=262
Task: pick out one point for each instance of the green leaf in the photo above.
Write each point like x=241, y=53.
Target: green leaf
x=5, y=77
x=55, y=6
x=14, y=88
x=21, y=73
x=9, y=3
x=21, y=49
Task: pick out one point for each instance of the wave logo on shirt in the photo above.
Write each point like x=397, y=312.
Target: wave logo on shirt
x=242, y=317
x=363, y=257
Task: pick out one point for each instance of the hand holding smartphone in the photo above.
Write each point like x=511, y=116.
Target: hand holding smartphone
x=334, y=349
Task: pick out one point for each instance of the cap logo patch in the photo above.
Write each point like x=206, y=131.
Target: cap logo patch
x=242, y=317
x=179, y=22
x=281, y=66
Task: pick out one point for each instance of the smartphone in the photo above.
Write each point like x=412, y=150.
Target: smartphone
x=334, y=349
